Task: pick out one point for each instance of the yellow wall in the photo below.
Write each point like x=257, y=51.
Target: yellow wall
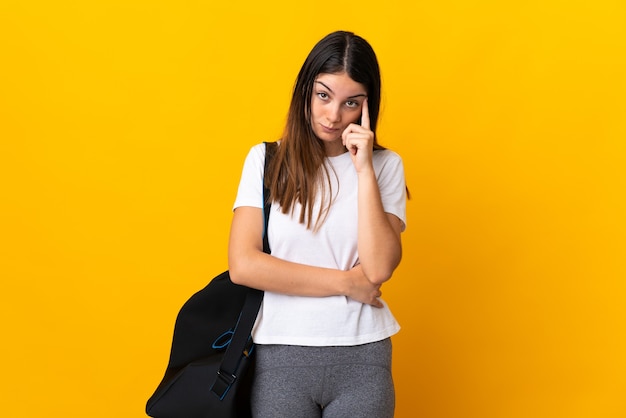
x=123, y=127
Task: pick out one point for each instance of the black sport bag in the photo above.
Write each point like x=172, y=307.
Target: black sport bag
x=212, y=351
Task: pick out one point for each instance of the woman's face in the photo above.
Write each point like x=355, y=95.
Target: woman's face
x=336, y=102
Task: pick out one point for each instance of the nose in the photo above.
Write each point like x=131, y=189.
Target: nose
x=334, y=113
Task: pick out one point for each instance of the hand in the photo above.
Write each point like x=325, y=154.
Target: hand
x=359, y=140
x=361, y=289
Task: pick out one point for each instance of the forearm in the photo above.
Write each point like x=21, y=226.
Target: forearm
x=259, y=270
x=250, y=266
x=379, y=245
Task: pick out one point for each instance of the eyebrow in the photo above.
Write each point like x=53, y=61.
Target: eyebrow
x=350, y=97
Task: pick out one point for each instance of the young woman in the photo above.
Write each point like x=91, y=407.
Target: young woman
x=338, y=207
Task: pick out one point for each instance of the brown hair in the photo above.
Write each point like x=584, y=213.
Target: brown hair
x=297, y=173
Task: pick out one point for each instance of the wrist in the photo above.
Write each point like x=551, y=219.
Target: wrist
x=344, y=282
x=366, y=173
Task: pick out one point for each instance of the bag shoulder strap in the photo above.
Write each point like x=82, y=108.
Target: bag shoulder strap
x=270, y=149
x=241, y=342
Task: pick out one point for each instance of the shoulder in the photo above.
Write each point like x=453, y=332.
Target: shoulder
x=256, y=155
x=257, y=150
x=386, y=158
x=387, y=154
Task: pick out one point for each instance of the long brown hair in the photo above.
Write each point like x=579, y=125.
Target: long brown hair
x=297, y=173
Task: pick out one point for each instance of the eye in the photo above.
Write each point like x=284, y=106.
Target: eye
x=352, y=104
x=322, y=95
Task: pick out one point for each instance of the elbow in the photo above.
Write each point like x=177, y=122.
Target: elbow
x=235, y=277
x=236, y=272
x=244, y=267
x=379, y=277
x=381, y=272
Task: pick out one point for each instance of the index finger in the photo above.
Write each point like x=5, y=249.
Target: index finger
x=365, y=115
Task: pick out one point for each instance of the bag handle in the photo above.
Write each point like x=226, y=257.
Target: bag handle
x=241, y=342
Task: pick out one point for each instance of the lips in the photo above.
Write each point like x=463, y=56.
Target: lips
x=329, y=130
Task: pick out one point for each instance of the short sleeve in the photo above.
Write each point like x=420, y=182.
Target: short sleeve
x=250, y=191
x=391, y=183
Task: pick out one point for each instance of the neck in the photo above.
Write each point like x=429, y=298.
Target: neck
x=335, y=148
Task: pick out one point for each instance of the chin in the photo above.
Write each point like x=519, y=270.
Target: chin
x=327, y=137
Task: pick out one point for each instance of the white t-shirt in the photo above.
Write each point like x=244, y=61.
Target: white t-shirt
x=334, y=320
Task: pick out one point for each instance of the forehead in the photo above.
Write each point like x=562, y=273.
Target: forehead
x=340, y=84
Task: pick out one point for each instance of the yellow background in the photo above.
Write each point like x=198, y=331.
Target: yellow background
x=124, y=124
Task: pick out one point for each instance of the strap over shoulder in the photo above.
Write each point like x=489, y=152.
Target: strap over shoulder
x=270, y=150
x=241, y=338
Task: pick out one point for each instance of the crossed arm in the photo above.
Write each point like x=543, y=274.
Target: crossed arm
x=250, y=266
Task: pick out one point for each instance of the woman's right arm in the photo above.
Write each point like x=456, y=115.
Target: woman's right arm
x=250, y=266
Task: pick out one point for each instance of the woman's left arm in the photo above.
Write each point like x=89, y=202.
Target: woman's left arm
x=379, y=243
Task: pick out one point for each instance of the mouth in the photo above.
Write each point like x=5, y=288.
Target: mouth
x=328, y=129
